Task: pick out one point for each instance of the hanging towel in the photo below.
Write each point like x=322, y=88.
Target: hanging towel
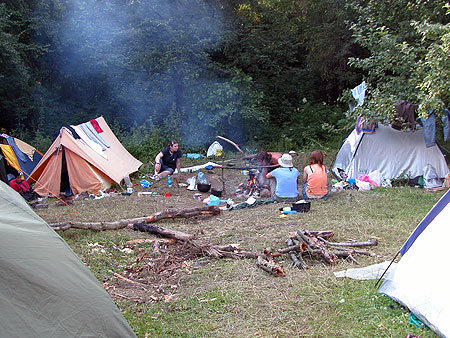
x=96, y=126
x=74, y=133
x=94, y=132
x=91, y=136
x=359, y=92
x=84, y=139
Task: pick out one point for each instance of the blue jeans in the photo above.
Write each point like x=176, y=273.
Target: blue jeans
x=306, y=197
x=164, y=168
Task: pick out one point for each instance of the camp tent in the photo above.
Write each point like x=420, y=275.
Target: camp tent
x=394, y=153
x=19, y=156
x=420, y=279
x=45, y=289
x=83, y=161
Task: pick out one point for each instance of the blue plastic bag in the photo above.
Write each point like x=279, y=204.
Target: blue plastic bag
x=145, y=183
x=213, y=200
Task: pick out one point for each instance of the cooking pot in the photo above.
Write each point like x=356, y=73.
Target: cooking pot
x=216, y=192
x=203, y=187
x=301, y=206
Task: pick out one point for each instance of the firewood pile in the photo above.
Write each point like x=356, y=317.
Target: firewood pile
x=315, y=245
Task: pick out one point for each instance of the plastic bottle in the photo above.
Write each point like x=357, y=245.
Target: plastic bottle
x=169, y=181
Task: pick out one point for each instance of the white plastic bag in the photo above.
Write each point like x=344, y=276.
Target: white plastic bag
x=363, y=186
x=430, y=178
x=376, y=177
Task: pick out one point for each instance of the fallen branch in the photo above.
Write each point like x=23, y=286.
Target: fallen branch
x=371, y=242
x=169, y=213
x=164, y=232
x=234, y=144
x=127, y=279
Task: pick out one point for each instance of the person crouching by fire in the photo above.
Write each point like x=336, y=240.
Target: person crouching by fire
x=315, y=178
x=266, y=159
x=167, y=161
x=283, y=181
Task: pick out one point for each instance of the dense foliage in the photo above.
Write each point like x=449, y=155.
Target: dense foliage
x=265, y=72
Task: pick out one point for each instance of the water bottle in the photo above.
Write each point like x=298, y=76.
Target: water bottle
x=202, y=178
x=169, y=181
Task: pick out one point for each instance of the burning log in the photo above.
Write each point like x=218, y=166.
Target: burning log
x=269, y=266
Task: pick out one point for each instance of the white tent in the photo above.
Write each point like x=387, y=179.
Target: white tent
x=420, y=279
x=394, y=153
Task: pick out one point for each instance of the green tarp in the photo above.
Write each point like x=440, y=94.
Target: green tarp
x=45, y=289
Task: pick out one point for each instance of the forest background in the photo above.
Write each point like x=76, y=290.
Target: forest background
x=271, y=74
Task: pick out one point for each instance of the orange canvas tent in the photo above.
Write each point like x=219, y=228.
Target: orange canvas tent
x=89, y=166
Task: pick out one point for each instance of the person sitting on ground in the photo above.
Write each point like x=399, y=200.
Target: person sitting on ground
x=266, y=159
x=315, y=178
x=167, y=161
x=283, y=180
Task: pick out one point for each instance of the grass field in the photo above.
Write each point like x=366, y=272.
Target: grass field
x=182, y=293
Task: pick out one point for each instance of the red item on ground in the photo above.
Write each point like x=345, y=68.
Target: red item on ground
x=167, y=194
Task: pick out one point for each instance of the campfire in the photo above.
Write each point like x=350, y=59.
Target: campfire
x=252, y=188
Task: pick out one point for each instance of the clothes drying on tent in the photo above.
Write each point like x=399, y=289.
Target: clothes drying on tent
x=420, y=281
x=88, y=167
x=20, y=156
x=404, y=114
x=393, y=153
x=46, y=290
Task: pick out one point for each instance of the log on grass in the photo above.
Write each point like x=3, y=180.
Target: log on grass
x=115, y=225
x=371, y=242
x=297, y=261
x=270, y=267
x=315, y=244
x=163, y=232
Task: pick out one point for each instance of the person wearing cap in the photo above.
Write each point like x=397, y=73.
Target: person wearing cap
x=283, y=180
x=315, y=178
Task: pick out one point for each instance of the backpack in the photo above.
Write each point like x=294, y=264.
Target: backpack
x=23, y=188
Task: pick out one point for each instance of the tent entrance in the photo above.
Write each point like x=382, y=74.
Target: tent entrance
x=64, y=186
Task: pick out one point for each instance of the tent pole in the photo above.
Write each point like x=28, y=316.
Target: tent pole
x=392, y=261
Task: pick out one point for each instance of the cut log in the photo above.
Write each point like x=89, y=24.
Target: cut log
x=298, y=262
x=315, y=244
x=301, y=246
x=270, y=267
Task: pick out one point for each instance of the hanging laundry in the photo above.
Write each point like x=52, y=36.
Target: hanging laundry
x=359, y=93
x=94, y=132
x=445, y=123
x=96, y=126
x=404, y=113
x=429, y=129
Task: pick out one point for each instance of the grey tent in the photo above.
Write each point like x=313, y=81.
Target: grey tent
x=45, y=289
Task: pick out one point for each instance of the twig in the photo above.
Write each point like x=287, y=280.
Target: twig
x=234, y=144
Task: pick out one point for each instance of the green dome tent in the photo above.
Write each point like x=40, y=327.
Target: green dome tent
x=45, y=289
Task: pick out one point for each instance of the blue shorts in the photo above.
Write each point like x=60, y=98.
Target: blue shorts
x=164, y=168
x=306, y=197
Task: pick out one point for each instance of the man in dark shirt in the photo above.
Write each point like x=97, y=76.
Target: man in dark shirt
x=167, y=160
